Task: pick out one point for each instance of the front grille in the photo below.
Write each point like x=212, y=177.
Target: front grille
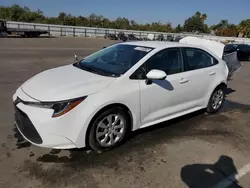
x=26, y=127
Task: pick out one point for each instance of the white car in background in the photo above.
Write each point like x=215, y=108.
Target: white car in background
x=97, y=101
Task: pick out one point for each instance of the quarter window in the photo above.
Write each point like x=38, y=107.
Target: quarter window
x=197, y=59
x=168, y=60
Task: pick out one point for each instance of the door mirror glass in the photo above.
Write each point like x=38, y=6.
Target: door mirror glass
x=156, y=75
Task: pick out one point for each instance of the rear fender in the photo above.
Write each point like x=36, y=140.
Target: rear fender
x=212, y=90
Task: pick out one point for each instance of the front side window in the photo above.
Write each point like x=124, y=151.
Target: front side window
x=168, y=60
x=197, y=59
x=114, y=60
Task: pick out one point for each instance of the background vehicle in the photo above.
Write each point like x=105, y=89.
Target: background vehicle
x=111, y=36
x=127, y=37
x=243, y=51
x=178, y=38
x=160, y=37
x=21, y=31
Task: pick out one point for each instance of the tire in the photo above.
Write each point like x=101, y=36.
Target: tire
x=106, y=130
x=217, y=97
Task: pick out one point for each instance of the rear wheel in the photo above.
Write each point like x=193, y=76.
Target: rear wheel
x=109, y=129
x=216, y=100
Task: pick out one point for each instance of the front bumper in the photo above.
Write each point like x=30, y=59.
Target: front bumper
x=39, y=128
x=26, y=127
x=33, y=133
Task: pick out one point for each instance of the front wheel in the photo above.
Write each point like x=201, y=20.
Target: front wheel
x=109, y=129
x=216, y=100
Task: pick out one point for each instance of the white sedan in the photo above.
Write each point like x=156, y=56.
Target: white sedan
x=97, y=101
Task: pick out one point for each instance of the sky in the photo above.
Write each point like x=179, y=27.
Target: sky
x=143, y=11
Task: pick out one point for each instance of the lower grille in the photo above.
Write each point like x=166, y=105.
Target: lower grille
x=26, y=127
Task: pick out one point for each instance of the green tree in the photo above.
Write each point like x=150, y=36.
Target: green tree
x=16, y=12
x=61, y=17
x=244, y=27
x=196, y=23
x=198, y=14
x=193, y=24
x=5, y=12
x=223, y=28
x=204, y=17
x=178, y=29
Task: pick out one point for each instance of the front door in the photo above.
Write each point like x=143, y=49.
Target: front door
x=163, y=98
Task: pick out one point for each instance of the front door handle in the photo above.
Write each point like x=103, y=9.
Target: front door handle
x=212, y=73
x=183, y=81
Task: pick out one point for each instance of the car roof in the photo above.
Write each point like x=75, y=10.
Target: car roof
x=158, y=44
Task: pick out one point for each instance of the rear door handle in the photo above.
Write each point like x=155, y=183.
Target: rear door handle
x=212, y=73
x=183, y=81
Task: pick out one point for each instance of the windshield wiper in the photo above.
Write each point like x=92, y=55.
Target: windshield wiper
x=97, y=71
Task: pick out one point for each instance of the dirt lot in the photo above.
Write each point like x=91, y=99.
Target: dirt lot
x=197, y=150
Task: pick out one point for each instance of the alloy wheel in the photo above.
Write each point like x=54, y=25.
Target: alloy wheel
x=217, y=99
x=110, y=130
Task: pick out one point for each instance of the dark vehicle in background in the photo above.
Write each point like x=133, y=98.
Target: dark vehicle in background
x=132, y=37
x=243, y=51
x=122, y=36
x=20, y=31
x=111, y=36
x=178, y=38
x=170, y=38
x=125, y=37
x=160, y=37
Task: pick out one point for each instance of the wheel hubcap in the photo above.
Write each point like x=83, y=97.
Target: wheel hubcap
x=110, y=130
x=217, y=99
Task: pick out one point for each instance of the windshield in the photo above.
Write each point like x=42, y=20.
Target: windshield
x=114, y=60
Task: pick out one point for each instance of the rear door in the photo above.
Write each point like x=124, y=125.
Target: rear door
x=201, y=69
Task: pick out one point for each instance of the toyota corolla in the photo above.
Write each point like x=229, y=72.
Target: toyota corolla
x=98, y=100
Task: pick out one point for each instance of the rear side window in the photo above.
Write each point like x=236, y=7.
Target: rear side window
x=198, y=59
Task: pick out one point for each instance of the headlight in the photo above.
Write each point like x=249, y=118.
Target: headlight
x=60, y=108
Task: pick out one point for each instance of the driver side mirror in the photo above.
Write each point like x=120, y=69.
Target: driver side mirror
x=155, y=75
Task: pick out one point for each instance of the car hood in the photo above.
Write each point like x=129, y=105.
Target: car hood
x=63, y=83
